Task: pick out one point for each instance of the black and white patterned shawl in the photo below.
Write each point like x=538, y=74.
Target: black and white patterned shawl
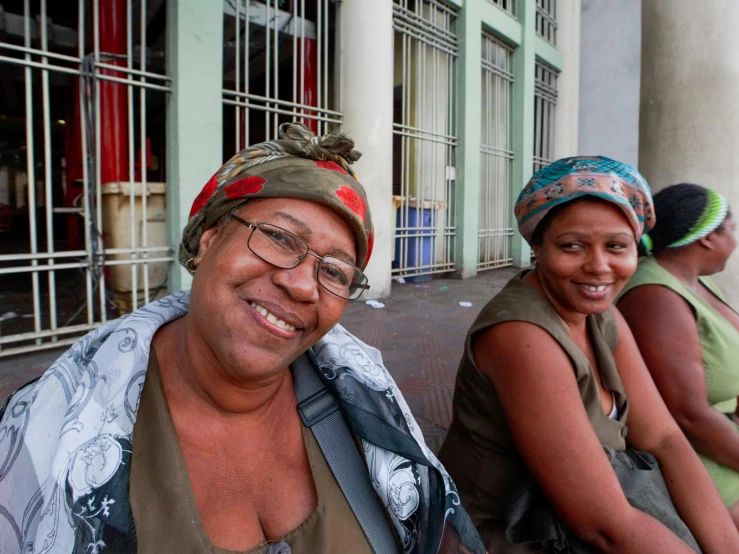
x=65, y=444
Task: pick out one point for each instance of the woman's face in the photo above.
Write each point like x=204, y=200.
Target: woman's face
x=723, y=241
x=586, y=256
x=258, y=318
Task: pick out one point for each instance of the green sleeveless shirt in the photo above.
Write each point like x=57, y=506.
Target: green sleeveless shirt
x=719, y=341
x=718, y=337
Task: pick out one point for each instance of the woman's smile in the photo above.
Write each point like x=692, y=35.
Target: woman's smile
x=272, y=323
x=594, y=291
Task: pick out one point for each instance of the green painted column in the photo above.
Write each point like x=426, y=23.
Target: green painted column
x=469, y=98
x=524, y=62
x=194, y=112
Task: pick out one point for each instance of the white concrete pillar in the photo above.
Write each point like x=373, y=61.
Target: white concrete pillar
x=689, y=114
x=609, y=79
x=366, y=89
x=568, y=100
x=194, y=112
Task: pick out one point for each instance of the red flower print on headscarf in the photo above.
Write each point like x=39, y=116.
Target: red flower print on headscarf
x=206, y=193
x=245, y=187
x=370, y=244
x=353, y=201
x=330, y=166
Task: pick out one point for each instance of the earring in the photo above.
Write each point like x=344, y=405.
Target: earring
x=190, y=266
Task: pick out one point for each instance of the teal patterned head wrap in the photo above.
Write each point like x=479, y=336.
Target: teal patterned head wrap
x=571, y=178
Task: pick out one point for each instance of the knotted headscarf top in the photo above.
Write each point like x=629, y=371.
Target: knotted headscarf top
x=571, y=178
x=297, y=165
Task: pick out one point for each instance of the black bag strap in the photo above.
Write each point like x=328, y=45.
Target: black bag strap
x=319, y=410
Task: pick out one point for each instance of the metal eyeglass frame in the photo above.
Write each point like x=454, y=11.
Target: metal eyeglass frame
x=309, y=252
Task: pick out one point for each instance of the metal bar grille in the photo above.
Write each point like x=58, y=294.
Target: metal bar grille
x=424, y=141
x=495, y=221
x=278, y=67
x=545, y=102
x=82, y=194
x=506, y=5
x=546, y=20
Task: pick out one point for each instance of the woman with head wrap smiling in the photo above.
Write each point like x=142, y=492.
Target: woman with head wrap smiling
x=687, y=333
x=239, y=416
x=549, y=379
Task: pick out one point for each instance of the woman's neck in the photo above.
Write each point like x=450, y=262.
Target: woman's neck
x=684, y=268
x=199, y=378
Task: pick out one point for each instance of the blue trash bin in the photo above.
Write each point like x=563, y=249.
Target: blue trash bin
x=419, y=244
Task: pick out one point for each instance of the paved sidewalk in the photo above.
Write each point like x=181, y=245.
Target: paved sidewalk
x=420, y=333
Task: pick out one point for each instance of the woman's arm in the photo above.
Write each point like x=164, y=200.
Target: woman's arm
x=665, y=331
x=651, y=428
x=538, y=392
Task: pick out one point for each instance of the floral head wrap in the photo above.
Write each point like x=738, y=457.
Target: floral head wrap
x=297, y=165
x=571, y=178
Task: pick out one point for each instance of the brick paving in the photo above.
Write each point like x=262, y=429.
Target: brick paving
x=420, y=333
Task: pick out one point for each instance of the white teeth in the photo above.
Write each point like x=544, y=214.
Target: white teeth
x=269, y=316
x=599, y=288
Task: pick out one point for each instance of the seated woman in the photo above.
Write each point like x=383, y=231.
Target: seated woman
x=687, y=333
x=239, y=416
x=550, y=376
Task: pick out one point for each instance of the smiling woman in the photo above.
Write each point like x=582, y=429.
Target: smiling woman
x=538, y=444
x=238, y=416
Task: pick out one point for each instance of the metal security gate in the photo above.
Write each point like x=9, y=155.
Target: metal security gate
x=82, y=194
x=545, y=103
x=279, y=62
x=495, y=221
x=425, y=140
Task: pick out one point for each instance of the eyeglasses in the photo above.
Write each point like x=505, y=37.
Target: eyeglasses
x=281, y=248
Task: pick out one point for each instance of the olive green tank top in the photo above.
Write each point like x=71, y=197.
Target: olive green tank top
x=163, y=504
x=479, y=452
x=718, y=337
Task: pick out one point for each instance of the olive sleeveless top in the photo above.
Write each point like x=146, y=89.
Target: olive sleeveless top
x=163, y=503
x=718, y=337
x=719, y=341
x=479, y=452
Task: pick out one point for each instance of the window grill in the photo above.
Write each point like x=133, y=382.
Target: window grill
x=495, y=220
x=424, y=137
x=506, y=5
x=278, y=66
x=82, y=183
x=545, y=103
x=546, y=20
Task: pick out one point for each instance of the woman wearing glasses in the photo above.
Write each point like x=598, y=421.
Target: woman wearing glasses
x=237, y=417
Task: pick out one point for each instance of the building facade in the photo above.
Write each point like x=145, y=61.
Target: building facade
x=117, y=113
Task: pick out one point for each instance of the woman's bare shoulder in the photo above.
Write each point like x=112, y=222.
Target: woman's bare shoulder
x=519, y=346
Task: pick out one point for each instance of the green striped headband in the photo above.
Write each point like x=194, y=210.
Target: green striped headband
x=712, y=217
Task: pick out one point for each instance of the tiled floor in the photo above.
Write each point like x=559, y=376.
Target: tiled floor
x=420, y=333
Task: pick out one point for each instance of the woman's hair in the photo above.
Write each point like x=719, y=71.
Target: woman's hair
x=679, y=209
